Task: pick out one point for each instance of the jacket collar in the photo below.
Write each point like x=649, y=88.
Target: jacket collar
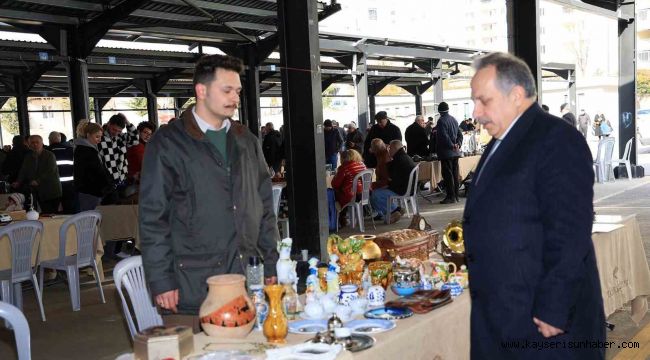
x=192, y=127
x=503, y=153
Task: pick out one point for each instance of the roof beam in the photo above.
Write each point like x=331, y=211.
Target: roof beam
x=223, y=7
x=10, y=15
x=69, y=4
x=184, y=34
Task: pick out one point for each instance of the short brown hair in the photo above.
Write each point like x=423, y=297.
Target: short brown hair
x=205, y=69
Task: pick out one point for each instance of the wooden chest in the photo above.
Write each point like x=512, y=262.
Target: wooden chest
x=407, y=243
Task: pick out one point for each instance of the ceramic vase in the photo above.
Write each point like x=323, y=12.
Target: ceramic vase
x=276, y=324
x=227, y=311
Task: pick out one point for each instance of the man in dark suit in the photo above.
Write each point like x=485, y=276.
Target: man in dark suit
x=417, y=141
x=384, y=130
x=448, y=141
x=527, y=226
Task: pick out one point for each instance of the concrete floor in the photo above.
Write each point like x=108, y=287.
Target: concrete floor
x=98, y=331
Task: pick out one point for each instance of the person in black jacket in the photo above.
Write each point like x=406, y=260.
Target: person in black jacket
x=399, y=171
x=448, y=141
x=354, y=138
x=417, y=142
x=567, y=115
x=333, y=141
x=384, y=130
x=14, y=160
x=64, y=154
x=272, y=148
x=91, y=179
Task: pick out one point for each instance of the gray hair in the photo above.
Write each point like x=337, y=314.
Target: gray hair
x=511, y=71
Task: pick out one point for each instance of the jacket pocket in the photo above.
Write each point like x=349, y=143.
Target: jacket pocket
x=193, y=271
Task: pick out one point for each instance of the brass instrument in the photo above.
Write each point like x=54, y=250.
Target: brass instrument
x=453, y=237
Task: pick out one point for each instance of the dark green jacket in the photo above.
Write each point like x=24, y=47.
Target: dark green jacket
x=43, y=169
x=200, y=216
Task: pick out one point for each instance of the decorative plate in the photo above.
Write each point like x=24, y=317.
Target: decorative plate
x=370, y=326
x=389, y=313
x=307, y=326
x=361, y=342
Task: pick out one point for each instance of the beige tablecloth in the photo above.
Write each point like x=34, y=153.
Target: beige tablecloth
x=431, y=170
x=119, y=222
x=49, y=247
x=441, y=334
x=623, y=268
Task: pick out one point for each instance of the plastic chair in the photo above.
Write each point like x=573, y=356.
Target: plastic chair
x=130, y=274
x=603, y=163
x=22, y=236
x=356, y=207
x=626, y=159
x=284, y=223
x=17, y=321
x=409, y=197
x=87, y=227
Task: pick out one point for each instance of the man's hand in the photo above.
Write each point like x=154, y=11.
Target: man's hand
x=546, y=329
x=34, y=183
x=168, y=300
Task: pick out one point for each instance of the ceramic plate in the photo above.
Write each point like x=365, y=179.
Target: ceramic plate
x=389, y=313
x=307, y=326
x=361, y=342
x=370, y=326
x=303, y=315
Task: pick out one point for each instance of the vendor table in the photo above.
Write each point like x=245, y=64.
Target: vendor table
x=441, y=334
x=622, y=265
x=431, y=170
x=119, y=222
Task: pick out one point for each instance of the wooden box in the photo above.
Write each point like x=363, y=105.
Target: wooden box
x=163, y=342
x=407, y=243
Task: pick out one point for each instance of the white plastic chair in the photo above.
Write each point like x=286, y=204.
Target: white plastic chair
x=603, y=163
x=284, y=223
x=626, y=159
x=130, y=274
x=87, y=227
x=18, y=323
x=356, y=207
x=408, y=198
x=22, y=236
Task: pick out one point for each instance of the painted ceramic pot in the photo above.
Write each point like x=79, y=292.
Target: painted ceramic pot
x=381, y=273
x=376, y=296
x=348, y=294
x=227, y=311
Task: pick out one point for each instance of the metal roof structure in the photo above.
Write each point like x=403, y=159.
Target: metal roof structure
x=226, y=24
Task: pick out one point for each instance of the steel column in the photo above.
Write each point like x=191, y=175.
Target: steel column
x=372, y=108
x=252, y=91
x=78, y=83
x=21, y=106
x=437, y=93
x=361, y=82
x=152, y=104
x=98, y=111
x=627, y=78
x=573, y=105
x=303, y=119
x=523, y=36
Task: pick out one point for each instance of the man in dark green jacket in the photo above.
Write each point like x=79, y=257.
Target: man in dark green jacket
x=39, y=175
x=206, y=203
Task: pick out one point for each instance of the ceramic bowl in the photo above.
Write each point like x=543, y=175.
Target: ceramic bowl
x=405, y=290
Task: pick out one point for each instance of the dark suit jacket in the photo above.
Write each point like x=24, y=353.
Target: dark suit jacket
x=399, y=170
x=570, y=119
x=527, y=227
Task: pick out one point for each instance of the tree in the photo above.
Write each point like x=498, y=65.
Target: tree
x=643, y=83
x=9, y=120
x=139, y=104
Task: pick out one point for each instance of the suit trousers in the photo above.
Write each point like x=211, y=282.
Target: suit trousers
x=450, y=176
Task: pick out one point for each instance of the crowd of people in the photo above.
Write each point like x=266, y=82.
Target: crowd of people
x=78, y=175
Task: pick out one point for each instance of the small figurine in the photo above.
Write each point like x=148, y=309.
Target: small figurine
x=286, y=268
x=312, y=282
x=333, y=270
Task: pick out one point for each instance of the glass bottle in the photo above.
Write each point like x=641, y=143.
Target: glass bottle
x=254, y=273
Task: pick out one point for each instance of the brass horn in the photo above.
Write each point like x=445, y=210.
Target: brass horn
x=453, y=237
